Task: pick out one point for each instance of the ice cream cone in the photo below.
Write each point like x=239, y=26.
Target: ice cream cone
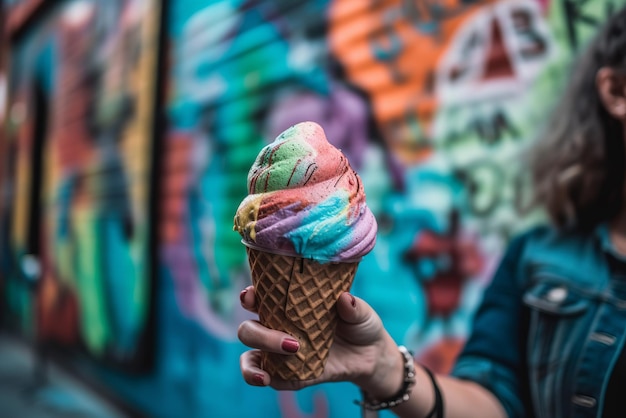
x=298, y=296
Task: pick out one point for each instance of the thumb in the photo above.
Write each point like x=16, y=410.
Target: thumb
x=358, y=321
x=352, y=309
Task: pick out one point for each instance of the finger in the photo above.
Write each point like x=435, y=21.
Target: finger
x=248, y=299
x=250, y=364
x=253, y=374
x=255, y=335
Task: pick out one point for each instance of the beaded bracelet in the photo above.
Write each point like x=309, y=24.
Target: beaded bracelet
x=403, y=393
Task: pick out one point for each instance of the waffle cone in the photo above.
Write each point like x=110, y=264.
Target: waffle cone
x=298, y=296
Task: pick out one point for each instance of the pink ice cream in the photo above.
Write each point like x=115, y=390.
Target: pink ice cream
x=305, y=200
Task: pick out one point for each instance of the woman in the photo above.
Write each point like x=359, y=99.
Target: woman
x=548, y=338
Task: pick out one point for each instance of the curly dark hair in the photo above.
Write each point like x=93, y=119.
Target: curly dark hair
x=577, y=164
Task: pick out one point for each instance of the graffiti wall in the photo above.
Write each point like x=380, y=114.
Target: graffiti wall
x=78, y=139
x=433, y=102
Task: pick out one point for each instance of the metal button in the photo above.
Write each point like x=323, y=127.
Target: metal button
x=584, y=401
x=557, y=295
x=602, y=338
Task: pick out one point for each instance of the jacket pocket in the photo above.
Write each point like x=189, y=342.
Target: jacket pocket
x=556, y=330
x=556, y=298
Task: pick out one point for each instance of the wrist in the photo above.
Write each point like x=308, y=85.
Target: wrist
x=385, y=378
x=375, y=403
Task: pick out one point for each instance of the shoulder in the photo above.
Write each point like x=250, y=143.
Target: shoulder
x=522, y=241
x=566, y=253
x=545, y=237
x=543, y=244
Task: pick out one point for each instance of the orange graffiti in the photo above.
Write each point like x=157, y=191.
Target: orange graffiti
x=390, y=49
x=177, y=176
x=440, y=356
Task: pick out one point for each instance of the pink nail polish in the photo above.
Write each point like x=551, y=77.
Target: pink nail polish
x=242, y=295
x=290, y=345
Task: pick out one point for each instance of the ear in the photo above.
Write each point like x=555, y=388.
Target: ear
x=611, y=87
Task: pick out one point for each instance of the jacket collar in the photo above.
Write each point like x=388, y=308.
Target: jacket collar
x=604, y=237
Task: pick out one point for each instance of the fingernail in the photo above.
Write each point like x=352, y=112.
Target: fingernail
x=259, y=379
x=242, y=295
x=352, y=301
x=290, y=345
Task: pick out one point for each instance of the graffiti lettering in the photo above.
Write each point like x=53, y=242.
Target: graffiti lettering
x=470, y=44
x=491, y=185
x=490, y=130
x=484, y=182
x=576, y=18
x=524, y=25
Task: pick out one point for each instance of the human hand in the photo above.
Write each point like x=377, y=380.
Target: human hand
x=362, y=352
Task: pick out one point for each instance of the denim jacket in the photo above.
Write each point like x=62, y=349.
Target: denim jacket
x=551, y=326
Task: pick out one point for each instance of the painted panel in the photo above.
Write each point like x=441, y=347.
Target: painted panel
x=432, y=101
x=82, y=89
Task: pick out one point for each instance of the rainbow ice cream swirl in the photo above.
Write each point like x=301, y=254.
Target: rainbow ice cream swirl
x=305, y=200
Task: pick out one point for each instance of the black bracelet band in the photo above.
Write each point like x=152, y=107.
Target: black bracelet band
x=437, y=410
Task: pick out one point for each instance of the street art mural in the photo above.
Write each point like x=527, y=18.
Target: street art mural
x=80, y=138
x=433, y=102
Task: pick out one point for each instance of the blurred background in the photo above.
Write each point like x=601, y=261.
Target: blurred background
x=129, y=126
